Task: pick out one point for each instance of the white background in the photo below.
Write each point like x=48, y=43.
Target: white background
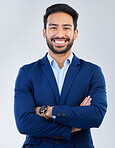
x=21, y=42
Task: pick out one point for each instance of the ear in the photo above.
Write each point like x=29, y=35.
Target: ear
x=44, y=33
x=75, y=34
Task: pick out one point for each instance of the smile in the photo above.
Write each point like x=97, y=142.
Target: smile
x=59, y=42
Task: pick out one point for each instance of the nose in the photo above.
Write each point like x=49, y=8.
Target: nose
x=60, y=32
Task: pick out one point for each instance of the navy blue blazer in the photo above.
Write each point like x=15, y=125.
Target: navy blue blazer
x=36, y=86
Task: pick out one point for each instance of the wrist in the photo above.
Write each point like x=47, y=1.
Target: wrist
x=43, y=109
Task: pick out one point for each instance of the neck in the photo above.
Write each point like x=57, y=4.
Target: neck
x=60, y=58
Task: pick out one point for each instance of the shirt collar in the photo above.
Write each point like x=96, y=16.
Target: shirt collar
x=68, y=60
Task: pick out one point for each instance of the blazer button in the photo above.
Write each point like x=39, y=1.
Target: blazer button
x=63, y=114
x=57, y=142
x=59, y=114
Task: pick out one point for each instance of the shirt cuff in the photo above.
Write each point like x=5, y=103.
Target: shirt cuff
x=54, y=117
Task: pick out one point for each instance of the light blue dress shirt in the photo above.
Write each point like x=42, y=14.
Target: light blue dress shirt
x=60, y=73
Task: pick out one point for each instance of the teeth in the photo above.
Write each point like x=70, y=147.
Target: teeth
x=60, y=42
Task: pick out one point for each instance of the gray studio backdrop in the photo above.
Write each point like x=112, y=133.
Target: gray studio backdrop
x=21, y=42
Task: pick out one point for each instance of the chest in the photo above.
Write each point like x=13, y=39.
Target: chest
x=45, y=93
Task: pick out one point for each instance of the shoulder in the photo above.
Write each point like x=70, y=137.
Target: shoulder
x=89, y=65
x=35, y=65
x=91, y=70
x=86, y=67
x=31, y=67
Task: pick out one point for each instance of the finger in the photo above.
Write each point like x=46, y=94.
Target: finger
x=46, y=116
x=85, y=101
x=77, y=129
x=88, y=102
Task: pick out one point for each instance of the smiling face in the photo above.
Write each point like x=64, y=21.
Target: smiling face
x=59, y=33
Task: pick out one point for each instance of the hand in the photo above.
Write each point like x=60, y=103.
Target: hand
x=37, y=112
x=74, y=129
x=86, y=102
x=48, y=113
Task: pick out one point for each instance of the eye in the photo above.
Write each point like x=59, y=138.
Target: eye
x=53, y=28
x=66, y=28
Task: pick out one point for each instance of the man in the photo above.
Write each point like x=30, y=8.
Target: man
x=59, y=97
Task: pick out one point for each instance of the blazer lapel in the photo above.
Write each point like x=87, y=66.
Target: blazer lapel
x=50, y=77
x=71, y=74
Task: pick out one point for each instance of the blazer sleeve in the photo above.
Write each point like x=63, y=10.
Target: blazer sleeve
x=27, y=121
x=85, y=117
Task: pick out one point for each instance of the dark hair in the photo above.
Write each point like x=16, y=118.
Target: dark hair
x=61, y=8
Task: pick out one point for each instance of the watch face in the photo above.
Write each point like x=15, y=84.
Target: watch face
x=43, y=109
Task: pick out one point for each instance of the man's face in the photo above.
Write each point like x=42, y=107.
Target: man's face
x=59, y=33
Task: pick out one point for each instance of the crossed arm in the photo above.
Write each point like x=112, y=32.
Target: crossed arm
x=83, y=117
x=48, y=114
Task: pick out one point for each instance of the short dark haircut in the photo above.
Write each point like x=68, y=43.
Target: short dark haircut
x=61, y=8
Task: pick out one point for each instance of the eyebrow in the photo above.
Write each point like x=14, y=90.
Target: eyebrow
x=53, y=25
x=67, y=25
x=58, y=25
